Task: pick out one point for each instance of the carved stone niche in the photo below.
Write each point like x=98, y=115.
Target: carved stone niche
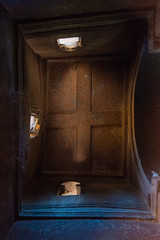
x=85, y=99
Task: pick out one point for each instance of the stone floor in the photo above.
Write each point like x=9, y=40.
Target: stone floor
x=84, y=229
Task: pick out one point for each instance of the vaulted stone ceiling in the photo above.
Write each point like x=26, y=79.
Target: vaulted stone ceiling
x=28, y=11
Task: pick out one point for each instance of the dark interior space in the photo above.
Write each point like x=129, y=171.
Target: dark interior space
x=147, y=110
x=79, y=90
x=81, y=98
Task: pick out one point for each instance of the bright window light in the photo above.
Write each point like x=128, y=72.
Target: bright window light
x=34, y=126
x=69, y=188
x=69, y=44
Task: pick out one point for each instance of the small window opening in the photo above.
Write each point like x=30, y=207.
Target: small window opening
x=69, y=188
x=69, y=44
x=34, y=126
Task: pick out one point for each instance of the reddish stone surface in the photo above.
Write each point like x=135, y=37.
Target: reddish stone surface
x=146, y=124
x=85, y=129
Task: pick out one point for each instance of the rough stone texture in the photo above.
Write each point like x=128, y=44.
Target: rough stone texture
x=40, y=9
x=8, y=123
x=116, y=38
x=49, y=8
x=147, y=113
x=32, y=101
x=146, y=123
x=85, y=112
x=84, y=229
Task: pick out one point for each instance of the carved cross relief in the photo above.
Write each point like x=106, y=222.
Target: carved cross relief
x=85, y=126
